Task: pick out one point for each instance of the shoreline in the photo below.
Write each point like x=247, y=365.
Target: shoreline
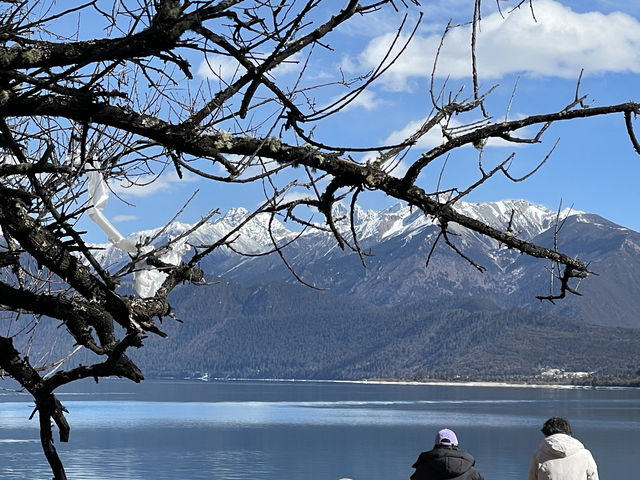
x=441, y=383
x=487, y=383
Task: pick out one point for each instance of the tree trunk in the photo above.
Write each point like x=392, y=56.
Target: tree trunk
x=46, y=440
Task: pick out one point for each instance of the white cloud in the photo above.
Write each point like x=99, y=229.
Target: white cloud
x=292, y=65
x=292, y=196
x=367, y=99
x=559, y=42
x=150, y=186
x=227, y=69
x=124, y=218
x=431, y=139
x=219, y=67
x=367, y=26
x=434, y=137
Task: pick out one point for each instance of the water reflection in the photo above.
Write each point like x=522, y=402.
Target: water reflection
x=119, y=414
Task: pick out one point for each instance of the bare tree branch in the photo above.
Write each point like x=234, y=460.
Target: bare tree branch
x=126, y=105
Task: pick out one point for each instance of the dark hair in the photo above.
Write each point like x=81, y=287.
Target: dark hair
x=556, y=425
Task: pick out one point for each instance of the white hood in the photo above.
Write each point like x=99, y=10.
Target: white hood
x=560, y=445
x=562, y=456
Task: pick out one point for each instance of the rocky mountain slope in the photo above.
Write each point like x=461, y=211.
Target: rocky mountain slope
x=398, y=241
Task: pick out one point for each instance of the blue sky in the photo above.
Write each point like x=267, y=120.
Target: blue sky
x=594, y=167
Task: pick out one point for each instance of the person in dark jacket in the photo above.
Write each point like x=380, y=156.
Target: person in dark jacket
x=445, y=461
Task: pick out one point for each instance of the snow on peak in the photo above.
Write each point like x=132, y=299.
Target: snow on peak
x=528, y=221
x=235, y=216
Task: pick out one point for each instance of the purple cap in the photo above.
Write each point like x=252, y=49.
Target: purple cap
x=446, y=437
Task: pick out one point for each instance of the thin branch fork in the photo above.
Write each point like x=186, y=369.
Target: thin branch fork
x=566, y=276
x=501, y=130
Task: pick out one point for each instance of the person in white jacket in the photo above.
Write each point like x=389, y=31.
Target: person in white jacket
x=560, y=456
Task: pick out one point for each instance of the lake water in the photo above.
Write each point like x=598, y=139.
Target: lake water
x=309, y=430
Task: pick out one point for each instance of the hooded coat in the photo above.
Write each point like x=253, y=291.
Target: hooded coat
x=445, y=463
x=562, y=457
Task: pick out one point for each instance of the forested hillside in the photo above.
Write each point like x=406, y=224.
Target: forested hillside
x=291, y=331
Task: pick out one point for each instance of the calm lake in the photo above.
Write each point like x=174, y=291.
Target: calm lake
x=309, y=430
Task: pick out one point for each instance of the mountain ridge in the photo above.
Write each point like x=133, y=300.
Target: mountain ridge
x=369, y=224
x=399, y=241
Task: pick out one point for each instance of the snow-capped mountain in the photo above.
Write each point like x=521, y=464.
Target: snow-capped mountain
x=371, y=226
x=398, y=241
